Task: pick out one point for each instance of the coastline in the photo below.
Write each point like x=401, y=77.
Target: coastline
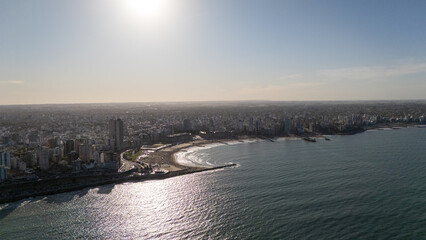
x=164, y=158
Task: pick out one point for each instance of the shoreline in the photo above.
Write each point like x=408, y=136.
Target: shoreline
x=249, y=139
x=132, y=178
x=75, y=183
x=164, y=158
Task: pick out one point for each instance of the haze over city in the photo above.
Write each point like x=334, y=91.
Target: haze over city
x=219, y=119
x=146, y=51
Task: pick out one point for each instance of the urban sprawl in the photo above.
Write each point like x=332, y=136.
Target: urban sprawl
x=53, y=141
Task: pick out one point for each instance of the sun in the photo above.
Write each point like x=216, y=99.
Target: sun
x=146, y=10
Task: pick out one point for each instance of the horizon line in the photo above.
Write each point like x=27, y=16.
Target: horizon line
x=216, y=101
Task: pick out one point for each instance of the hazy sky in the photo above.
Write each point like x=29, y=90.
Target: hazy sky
x=76, y=51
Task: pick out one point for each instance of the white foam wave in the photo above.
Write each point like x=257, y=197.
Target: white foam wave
x=194, y=157
x=280, y=139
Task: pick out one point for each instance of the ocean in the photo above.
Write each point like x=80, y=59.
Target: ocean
x=366, y=186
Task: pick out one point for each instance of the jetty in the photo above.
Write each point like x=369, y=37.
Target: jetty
x=309, y=139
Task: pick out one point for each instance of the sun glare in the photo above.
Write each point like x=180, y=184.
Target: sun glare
x=147, y=10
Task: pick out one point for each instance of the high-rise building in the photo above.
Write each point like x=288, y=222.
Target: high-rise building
x=57, y=151
x=77, y=145
x=258, y=125
x=211, y=125
x=14, y=163
x=68, y=147
x=116, y=132
x=250, y=126
x=287, y=125
x=43, y=160
x=79, y=142
x=187, y=126
x=3, y=173
x=4, y=165
x=5, y=159
x=85, y=152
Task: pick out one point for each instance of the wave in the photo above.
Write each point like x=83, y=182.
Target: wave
x=194, y=157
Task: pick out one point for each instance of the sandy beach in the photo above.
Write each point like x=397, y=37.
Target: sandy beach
x=166, y=158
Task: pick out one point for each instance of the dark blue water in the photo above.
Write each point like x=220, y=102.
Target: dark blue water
x=367, y=186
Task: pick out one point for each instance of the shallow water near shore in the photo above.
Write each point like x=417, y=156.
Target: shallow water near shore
x=367, y=186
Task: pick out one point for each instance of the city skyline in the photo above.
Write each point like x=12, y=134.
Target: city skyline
x=137, y=51
x=212, y=119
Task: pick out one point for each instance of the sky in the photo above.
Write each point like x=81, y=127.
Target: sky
x=80, y=51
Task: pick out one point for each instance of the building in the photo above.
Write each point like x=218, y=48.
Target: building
x=3, y=173
x=14, y=162
x=211, y=125
x=5, y=159
x=287, y=125
x=250, y=126
x=187, y=126
x=258, y=126
x=79, y=142
x=76, y=165
x=177, y=138
x=4, y=165
x=22, y=166
x=111, y=161
x=311, y=127
x=96, y=157
x=76, y=145
x=116, y=132
x=33, y=139
x=52, y=142
x=43, y=160
x=57, y=154
x=85, y=152
x=68, y=147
